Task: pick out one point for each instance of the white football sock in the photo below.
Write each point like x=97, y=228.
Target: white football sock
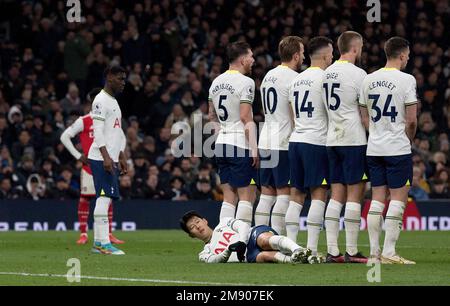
x=101, y=223
x=283, y=244
x=314, y=224
x=332, y=218
x=374, y=226
x=278, y=221
x=227, y=210
x=245, y=212
x=281, y=258
x=293, y=219
x=393, y=227
x=352, y=221
x=262, y=213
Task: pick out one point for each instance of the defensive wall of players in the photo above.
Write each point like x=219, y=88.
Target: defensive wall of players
x=131, y=215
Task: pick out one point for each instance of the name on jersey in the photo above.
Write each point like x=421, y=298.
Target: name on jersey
x=388, y=85
x=270, y=80
x=223, y=86
x=332, y=75
x=308, y=83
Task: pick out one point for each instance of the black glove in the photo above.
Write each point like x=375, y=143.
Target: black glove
x=238, y=247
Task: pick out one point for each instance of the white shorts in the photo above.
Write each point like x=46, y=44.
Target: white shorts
x=87, y=184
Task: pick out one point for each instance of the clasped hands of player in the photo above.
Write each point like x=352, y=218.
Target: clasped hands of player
x=83, y=159
x=108, y=164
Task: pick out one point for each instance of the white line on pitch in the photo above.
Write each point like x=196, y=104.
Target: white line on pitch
x=142, y=280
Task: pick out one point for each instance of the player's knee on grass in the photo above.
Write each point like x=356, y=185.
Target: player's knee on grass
x=263, y=241
x=266, y=257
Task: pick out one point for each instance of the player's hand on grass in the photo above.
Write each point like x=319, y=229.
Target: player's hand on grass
x=83, y=159
x=238, y=247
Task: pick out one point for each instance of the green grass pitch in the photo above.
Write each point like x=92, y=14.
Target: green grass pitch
x=169, y=257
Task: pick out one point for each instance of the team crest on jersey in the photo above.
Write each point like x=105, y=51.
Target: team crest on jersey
x=97, y=110
x=250, y=94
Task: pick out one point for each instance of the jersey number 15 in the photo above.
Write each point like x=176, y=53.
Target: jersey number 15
x=333, y=95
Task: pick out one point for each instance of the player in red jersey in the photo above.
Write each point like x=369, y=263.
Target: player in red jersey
x=83, y=127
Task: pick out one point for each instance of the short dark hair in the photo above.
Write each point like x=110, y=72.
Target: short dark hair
x=345, y=40
x=114, y=70
x=185, y=219
x=288, y=46
x=394, y=46
x=236, y=50
x=317, y=43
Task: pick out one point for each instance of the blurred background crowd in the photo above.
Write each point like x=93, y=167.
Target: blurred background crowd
x=172, y=50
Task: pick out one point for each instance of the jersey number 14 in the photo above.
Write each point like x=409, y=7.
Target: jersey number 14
x=306, y=107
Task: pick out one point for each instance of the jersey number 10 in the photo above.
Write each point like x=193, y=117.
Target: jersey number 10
x=267, y=101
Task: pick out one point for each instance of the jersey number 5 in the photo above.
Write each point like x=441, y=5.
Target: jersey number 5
x=222, y=98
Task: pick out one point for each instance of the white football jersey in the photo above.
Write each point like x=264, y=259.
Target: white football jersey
x=275, y=101
x=386, y=93
x=341, y=87
x=227, y=92
x=105, y=108
x=227, y=232
x=310, y=114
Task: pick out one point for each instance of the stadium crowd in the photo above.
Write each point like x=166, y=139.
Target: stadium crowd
x=172, y=51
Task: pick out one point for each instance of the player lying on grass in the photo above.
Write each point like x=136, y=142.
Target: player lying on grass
x=233, y=240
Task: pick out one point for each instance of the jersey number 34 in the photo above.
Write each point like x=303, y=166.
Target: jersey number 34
x=392, y=112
